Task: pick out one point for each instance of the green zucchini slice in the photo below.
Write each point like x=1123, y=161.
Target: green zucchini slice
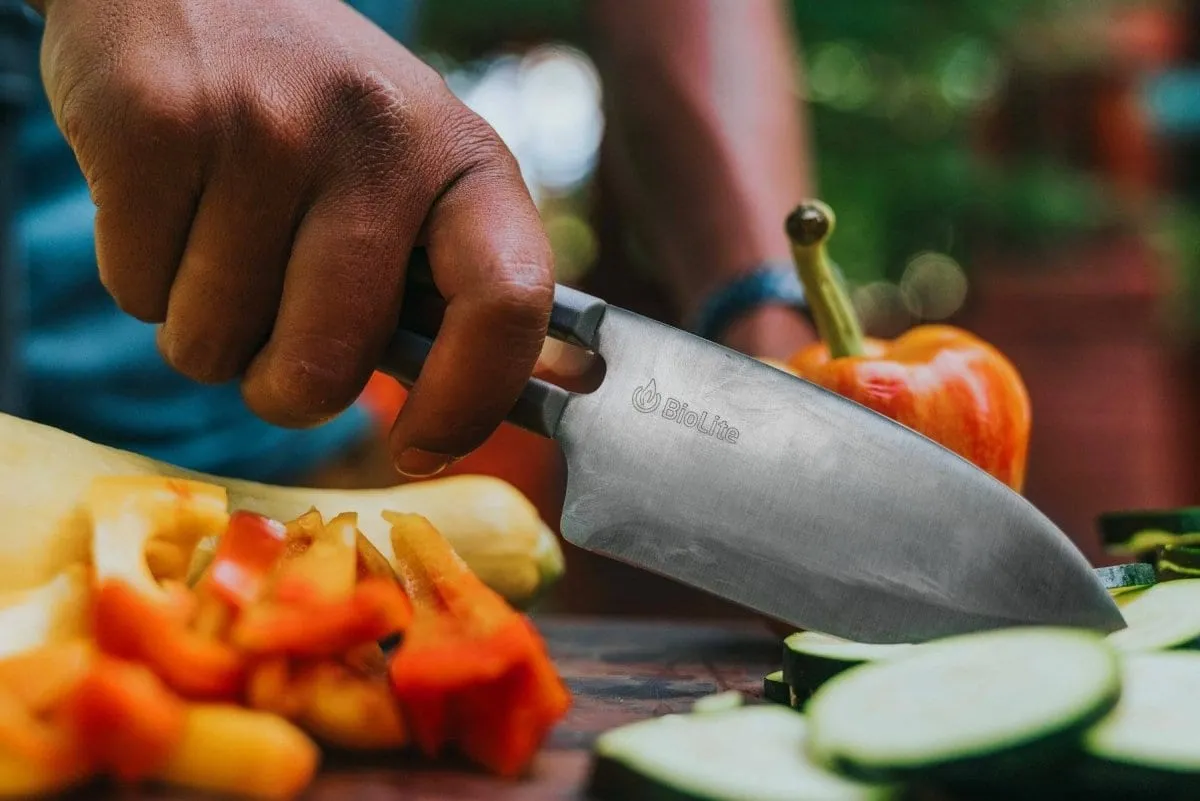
x=1178, y=562
x=1119, y=525
x=1149, y=746
x=1163, y=617
x=751, y=753
x=810, y=658
x=776, y=690
x=983, y=709
x=718, y=702
x=1120, y=578
x=1140, y=532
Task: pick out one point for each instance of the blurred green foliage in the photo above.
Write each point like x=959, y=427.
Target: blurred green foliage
x=894, y=87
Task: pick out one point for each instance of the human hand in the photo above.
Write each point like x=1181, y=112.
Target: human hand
x=261, y=172
x=772, y=332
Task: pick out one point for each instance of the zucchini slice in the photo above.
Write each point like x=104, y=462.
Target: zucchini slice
x=1123, y=578
x=1163, y=617
x=810, y=658
x=983, y=710
x=1140, y=533
x=1149, y=746
x=751, y=753
x=718, y=702
x=1178, y=562
x=1119, y=527
x=776, y=690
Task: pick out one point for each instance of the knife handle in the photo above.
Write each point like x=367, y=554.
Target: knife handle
x=574, y=318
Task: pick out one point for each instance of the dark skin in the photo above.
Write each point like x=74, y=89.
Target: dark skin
x=261, y=171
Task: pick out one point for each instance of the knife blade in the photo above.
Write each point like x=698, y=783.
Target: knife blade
x=700, y=464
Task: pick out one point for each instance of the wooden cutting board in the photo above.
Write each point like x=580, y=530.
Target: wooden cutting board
x=618, y=672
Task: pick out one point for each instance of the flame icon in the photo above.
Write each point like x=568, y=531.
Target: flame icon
x=646, y=399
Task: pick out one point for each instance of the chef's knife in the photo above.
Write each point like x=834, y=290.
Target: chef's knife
x=709, y=467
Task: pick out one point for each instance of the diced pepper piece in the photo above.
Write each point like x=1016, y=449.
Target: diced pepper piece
x=41, y=740
x=130, y=625
x=129, y=513
x=24, y=778
x=41, y=679
x=367, y=659
x=39, y=749
x=328, y=563
x=53, y=613
x=370, y=562
x=349, y=711
x=471, y=670
x=246, y=557
x=303, y=530
x=127, y=719
x=228, y=749
x=298, y=623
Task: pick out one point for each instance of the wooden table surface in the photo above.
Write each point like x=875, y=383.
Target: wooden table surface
x=618, y=672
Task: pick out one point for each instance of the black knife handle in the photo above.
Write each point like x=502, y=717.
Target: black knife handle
x=574, y=318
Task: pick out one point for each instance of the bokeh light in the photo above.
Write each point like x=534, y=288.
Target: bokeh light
x=933, y=286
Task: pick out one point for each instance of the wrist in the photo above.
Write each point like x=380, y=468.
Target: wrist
x=768, y=285
x=770, y=332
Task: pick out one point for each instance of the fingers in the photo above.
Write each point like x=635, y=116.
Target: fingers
x=223, y=302
x=492, y=263
x=145, y=177
x=340, y=306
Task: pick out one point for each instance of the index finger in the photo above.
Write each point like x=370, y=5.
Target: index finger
x=492, y=263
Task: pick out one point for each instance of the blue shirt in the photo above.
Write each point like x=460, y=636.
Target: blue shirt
x=92, y=370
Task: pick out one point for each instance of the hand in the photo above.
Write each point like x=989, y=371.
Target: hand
x=261, y=172
x=773, y=332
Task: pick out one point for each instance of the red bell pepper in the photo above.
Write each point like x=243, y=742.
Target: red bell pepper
x=127, y=719
x=936, y=379
x=472, y=670
x=130, y=625
x=297, y=621
x=246, y=556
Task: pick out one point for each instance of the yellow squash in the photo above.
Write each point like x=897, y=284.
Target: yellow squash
x=45, y=475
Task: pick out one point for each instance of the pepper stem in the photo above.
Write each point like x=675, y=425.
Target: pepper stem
x=809, y=226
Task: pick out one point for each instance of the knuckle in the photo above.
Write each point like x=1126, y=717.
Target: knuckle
x=470, y=144
x=374, y=109
x=157, y=107
x=266, y=118
x=516, y=304
x=76, y=103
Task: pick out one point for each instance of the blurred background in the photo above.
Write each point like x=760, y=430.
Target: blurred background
x=1029, y=170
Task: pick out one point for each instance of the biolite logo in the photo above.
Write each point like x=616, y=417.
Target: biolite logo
x=646, y=399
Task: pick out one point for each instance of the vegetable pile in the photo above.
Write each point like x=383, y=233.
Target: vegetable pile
x=1022, y=712
x=230, y=671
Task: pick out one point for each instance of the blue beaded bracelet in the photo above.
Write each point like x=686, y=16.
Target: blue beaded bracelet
x=773, y=283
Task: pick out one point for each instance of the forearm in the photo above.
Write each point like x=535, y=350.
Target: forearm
x=706, y=132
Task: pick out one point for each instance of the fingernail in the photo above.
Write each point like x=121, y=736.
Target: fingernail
x=419, y=463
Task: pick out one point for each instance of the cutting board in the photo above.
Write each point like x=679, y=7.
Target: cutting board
x=618, y=672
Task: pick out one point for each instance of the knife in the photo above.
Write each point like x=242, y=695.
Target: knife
x=697, y=463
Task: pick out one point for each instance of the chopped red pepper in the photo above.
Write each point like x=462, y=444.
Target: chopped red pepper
x=40, y=750
x=127, y=719
x=247, y=554
x=298, y=622
x=132, y=626
x=471, y=670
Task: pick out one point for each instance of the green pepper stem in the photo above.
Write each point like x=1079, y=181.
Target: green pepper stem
x=809, y=227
